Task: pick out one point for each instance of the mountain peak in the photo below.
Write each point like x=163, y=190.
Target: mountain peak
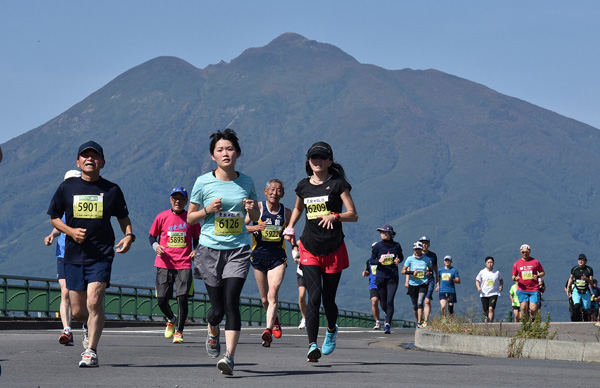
x=291, y=48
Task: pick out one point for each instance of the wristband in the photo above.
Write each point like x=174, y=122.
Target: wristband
x=289, y=232
x=409, y=272
x=155, y=246
x=336, y=215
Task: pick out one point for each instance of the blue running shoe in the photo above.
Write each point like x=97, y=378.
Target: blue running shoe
x=313, y=353
x=330, y=340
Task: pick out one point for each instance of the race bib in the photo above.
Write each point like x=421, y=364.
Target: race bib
x=446, y=277
x=388, y=259
x=374, y=269
x=527, y=275
x=579, y=283
x=88, y=206
x=316, y=207
x=419, y=274
x=272, y=233
x=490, y=282
x=228, y=223
x=176, y=240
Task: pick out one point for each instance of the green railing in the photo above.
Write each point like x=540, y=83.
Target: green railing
x=28, y=296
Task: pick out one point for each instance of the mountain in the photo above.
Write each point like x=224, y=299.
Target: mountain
x=430, y=153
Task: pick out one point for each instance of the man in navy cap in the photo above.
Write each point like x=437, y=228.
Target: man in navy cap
x=88, y=204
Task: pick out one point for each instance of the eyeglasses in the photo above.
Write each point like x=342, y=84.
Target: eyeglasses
x=319, y=157
x=175, y=199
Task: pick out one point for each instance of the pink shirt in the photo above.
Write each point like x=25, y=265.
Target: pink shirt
x=525, y=271
x=175, y=235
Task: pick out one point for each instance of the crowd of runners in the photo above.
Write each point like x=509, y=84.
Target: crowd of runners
x=226, y=229
x=213, y=234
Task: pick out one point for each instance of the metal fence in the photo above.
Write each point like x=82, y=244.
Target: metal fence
x=40, y=297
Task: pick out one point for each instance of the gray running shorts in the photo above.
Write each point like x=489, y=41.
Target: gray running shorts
x=214, y=265
x=165, y=278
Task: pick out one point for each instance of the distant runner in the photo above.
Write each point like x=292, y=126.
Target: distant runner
x=301, y=288
x=432, y=280
x=386, y=255
x=371, y=272
x=514, y=301
x=489, y=283
x=173, y=239
x=582, y=276
x=526, y=271
x=417, y=269
x=269, y=257
x=447, y=280
x=66, y=337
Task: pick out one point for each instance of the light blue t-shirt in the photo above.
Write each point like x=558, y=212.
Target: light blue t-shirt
x=419, y=265
x=446, y=276
x=60, y=243
x=225, y=229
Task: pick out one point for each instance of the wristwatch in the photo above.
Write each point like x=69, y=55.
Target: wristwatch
x=132, y=236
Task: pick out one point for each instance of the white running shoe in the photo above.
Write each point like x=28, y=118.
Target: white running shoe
x=302, y=324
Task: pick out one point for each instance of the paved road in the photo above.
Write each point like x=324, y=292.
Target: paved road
x=134, y=357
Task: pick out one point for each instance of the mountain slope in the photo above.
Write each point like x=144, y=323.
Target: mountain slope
x=430, y=153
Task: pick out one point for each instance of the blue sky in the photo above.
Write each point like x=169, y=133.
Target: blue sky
x=56, y=53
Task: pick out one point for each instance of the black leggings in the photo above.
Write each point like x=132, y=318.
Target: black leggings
x=320, y=286
x=387, y=288
x=182, y=305
x=225, y=301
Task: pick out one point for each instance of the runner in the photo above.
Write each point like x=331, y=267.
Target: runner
x=595, y=305
x=173, y=239
x=489, y=283
x=371, y=272
x=269, y=257
x=66, y=337
x=88, y=204
x=447, y=278
x=417, y=269
x=386, y=255
x=301, y=288
x=514, y=300
x=221, y=198
x=431, y=282
x=322, y=250
x=526, y=271
x=582, y=276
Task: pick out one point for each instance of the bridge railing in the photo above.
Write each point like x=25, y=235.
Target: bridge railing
x=30, y=296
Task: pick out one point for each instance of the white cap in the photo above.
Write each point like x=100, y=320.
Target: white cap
x=448, y=257
x=72, y=174
x=525, y=247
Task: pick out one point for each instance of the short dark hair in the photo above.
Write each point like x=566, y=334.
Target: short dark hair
x=227, y=134
x=488, y=258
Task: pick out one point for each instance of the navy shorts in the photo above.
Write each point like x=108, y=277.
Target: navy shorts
x=265, y=265
x=449, y=296
x=374, y=292
x=60, y=268
x=78, y=276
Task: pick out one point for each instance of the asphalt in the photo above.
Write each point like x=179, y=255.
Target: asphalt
x=141, y=357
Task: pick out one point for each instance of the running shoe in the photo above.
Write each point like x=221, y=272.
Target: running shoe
x=330, y=341
x=89, y=359
x=277, y=328
x=377, y=326
x=597, y=324
x=424, y=324
x=314, y=353
x=66, y=338
x=85, y=340
x=387, y=328
x=170, y=329
x=225, y=365
x=213, y=345
x=302, y=324
x=177, y=338
x=267, y=338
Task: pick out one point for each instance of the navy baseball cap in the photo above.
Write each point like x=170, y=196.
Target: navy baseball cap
x=179, y=190
x=91, y=145
x=387, y=228
x=424, y=238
